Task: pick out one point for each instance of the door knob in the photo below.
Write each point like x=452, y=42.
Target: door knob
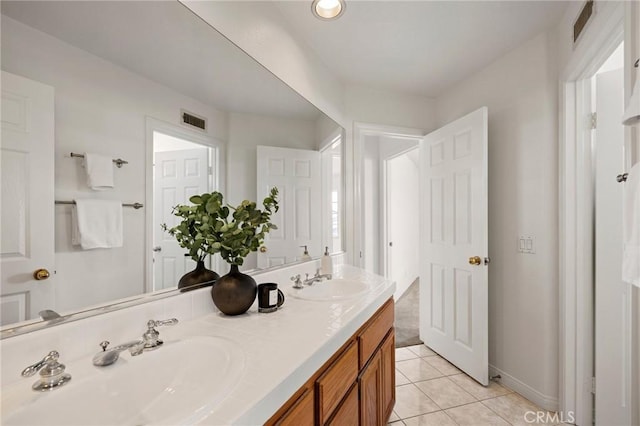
x=475, y=260
x=263, y=249
x=157, y=249
x=41, y=274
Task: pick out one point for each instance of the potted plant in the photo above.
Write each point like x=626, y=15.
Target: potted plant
x=196, y=233
x=238, y=234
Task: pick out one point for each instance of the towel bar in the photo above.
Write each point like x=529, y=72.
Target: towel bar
x=134, y=205
x=119, y=162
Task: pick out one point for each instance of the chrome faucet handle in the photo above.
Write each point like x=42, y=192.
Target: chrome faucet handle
x=297, y=282
x=151, y=337
x=104, y=345
x=52, y=372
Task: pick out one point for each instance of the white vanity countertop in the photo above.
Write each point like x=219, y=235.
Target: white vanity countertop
x=284, y=348
x=280, y=350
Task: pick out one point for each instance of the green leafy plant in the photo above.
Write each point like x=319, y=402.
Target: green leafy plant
x=209, y=227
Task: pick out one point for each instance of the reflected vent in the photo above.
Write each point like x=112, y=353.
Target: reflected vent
x=193, y=120
x=583, y=18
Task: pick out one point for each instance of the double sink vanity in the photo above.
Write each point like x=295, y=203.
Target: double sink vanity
x=325, y=357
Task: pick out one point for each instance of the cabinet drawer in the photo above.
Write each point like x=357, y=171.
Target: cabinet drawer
x=334, y=383
x=370, y=338
x=347, y=413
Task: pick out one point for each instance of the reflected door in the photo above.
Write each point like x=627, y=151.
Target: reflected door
x=453, y=275
x=27, y=230
x=178, y=176
x=296, y=174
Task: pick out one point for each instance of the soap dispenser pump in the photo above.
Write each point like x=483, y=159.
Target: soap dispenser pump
x=305, y=254
x=326, y=265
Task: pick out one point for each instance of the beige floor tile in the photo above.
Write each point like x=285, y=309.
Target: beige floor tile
x=418, y=369
x=476, y=389
x=475, y=414
x=401, y=379
x=445, y=393
x=421, y=350
x=411, y=401
x=403, y=354
x=442, y=365
x=393, y=417
x=439, y=418
x=514, y=409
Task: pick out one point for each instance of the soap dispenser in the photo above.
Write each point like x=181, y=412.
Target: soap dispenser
x=305, y=254
x=326, y=265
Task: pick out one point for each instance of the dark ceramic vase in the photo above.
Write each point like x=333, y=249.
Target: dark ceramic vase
x=197, y=278
x=234, y=293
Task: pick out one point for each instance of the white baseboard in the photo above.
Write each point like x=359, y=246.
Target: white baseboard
x=541, y=400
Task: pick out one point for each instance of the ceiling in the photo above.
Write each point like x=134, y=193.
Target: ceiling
x=165, y=42
x=418, y=47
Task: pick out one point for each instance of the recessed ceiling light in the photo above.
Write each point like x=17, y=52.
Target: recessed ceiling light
x=328, y=9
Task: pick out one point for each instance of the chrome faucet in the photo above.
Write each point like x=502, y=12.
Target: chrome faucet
x=150, y=341
x=52, y=373
x=297, y=282
x=317, y=277
x=108, y=357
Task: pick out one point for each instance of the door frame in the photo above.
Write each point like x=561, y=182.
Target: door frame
x=217, y=184
x=361, y=130
x=576, y=233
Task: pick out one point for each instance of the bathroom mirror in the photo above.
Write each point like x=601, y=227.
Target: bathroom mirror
x=152, y=84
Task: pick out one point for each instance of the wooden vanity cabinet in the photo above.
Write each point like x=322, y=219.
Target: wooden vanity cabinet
x=356, y=386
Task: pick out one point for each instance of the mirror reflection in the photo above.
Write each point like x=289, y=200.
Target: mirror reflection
x=153, y=85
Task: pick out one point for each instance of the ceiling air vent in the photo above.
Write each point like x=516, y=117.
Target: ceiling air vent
x=193, y=120
x=582, y=20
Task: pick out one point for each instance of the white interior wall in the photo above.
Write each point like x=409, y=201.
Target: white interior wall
x=100, y=108
x=371, y=191
x=520, y=90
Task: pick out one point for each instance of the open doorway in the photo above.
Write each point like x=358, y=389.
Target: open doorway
x=183, y=163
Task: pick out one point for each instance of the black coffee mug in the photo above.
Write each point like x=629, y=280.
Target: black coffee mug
x=270, y=298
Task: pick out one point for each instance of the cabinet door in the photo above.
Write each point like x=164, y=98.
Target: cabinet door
x=334, y=383
x=370, y=383
x=347, y=413
x=387, y=360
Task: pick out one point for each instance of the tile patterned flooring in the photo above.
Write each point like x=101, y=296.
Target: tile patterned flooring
x=432, y=392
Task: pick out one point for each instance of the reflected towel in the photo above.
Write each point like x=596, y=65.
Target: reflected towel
x=97, y=224
x=631, y=230
x=99, y=171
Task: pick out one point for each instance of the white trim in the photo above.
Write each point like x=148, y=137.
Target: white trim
x=541, y=400
x=576, y=213
x=218, y=183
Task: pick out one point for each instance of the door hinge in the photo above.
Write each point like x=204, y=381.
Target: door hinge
x=593, y=385
x=594, y=120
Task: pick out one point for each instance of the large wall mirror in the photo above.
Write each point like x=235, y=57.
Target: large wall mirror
x=124, y=74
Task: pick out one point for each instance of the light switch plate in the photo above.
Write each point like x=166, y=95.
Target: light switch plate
x=526, y=244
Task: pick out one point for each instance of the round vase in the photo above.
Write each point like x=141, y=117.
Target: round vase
x=234, y=293
x=200, y=275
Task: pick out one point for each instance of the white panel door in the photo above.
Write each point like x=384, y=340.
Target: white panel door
x=402, y=201
x=454, y=213
x=27, y=233
x=296, y=174
x=612, y=295
x=178, y=175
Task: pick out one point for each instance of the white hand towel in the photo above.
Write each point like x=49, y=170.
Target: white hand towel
x=99, y=170
x=98, y=224
x=631, y=228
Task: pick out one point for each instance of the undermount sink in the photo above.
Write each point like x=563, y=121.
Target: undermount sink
x=327, y=290
x=179, y=383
